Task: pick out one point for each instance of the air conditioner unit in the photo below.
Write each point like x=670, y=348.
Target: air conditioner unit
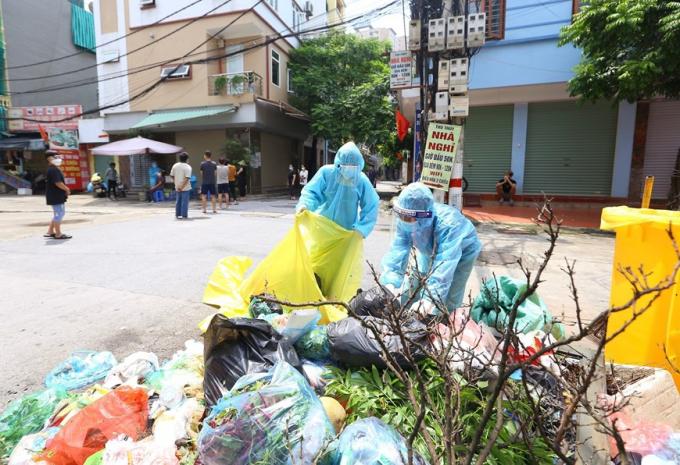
x=443, y=75
x=458, y=75
x=143, y=3
x=220, y=43
x=459, y=106
x=455, y=32
x=110, y=56
x=436, y=38
x=414, y=34
x=176, y=72
x=476, y=30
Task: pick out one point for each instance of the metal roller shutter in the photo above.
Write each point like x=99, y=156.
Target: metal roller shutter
x=487, y=146
x=663, y=142
x=570, y=148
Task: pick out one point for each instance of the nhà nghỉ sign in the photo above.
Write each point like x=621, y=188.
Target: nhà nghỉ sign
x=440, y=155
x=401, y=63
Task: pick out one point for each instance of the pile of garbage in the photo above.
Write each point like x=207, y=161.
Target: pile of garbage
x=252, y=392
x=273, y=384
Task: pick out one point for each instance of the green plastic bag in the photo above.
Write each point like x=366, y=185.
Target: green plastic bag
x=532, y=315
x=26, y=416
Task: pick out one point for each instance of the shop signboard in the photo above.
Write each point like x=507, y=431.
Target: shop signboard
x=401, y=65
x=30, y=119
x=440, y=154
x=75, y=167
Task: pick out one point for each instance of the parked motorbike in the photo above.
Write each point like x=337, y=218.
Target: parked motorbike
x=97, y=186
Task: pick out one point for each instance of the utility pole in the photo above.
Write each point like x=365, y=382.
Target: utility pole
x=447, y=34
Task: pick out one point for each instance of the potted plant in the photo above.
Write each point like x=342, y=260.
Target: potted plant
x=220, y=84
x=236, y=82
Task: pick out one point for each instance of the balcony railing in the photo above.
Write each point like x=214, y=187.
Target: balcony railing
x=235, y=84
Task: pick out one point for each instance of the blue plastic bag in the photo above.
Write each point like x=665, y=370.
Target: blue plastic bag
x=81, y=369
x=369, y=441
x=272, y=417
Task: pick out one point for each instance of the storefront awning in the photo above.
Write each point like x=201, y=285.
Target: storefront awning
x=164, y=117
x=22, y=143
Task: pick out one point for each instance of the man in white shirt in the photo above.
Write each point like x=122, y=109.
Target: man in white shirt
x=181, y=174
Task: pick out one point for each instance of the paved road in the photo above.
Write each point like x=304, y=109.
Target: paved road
x=132, y=277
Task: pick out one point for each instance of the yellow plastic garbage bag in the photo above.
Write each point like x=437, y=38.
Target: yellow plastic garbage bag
x=653, y=337
x=315, y=248
x=223, y=284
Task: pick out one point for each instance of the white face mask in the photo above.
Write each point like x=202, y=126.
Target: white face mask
x=57, y=161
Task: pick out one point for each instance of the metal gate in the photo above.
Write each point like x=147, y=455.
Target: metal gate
x=663, y=143
x=570, y=148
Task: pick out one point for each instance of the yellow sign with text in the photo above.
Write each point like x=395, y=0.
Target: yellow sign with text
x=440, y=155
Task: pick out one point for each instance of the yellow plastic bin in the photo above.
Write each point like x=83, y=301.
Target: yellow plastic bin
x=642, y=240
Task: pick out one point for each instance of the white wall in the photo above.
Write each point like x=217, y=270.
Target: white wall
x=280, y=19
x=114, y=89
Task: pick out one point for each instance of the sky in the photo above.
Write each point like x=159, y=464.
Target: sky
x=395, y=20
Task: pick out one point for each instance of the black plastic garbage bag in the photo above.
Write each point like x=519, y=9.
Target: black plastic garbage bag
x=355, y=345
x=373, y=302
x=234, y=347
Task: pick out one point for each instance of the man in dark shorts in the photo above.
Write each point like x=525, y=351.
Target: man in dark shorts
x=506, y=188
x=56, y=193
x=208, y=168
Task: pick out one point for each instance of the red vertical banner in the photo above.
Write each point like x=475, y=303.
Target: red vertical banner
x=65, y=143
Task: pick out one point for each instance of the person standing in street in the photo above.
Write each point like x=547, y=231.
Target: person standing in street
x=232, y=182
x=181, y=173
x=304, y=177
x=222, y=175
x=111, y=178
x=242, y=179
x=208, y=168
x=56, y=193
x=342, y=192
x=292, y=181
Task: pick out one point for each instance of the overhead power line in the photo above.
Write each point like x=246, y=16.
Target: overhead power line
x=146, y=67
x=64, y=57
x=278, y=36
x=85, y=68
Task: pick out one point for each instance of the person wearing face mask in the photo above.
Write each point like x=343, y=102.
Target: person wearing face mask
x=56, y=193
x=292, y=180
x=446, y=246
x=342, y=193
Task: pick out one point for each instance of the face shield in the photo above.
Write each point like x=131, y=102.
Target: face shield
x=411, y=221
x=349, y=175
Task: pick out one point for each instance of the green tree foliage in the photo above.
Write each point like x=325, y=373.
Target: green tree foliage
x=342, y=81
x=631, y=49
x=235, y=151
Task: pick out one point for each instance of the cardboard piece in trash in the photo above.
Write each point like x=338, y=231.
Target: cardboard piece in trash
x=654, y=398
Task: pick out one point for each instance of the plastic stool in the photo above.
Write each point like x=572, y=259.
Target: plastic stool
x=158, y=196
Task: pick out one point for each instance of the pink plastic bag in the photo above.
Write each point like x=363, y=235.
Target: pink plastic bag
x=642, y=437
x=472, y=342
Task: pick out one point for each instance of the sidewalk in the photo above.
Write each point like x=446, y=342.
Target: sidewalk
x=571, y=217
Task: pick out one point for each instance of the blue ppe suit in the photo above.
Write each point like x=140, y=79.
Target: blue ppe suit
x=453, y=238
x=337, y=191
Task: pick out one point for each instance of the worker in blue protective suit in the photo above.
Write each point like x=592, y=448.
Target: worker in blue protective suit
x=446, y=244
x=343, y=193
